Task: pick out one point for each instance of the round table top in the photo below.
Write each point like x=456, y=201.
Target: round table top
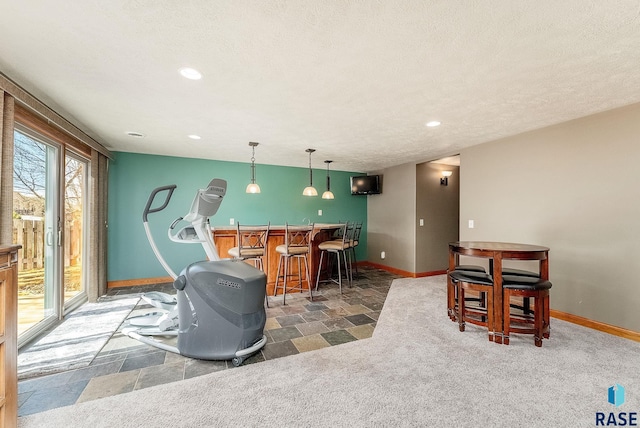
x=496, y=246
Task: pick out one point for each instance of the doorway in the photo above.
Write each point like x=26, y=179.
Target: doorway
x=49, y=201
x=437, y=213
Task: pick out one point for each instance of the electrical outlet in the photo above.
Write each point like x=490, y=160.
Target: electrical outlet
x=471, y=224
x=421, y=222
x=232, y=221
x=383, y=255
x=319, y=212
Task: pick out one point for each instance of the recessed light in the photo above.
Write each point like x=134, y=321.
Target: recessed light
x=135, y=134
x=433, y=123
x=194, y=137
x=190, y=73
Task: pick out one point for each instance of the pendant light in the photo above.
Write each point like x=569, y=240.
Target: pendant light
x=328, y=194
x=253, y=186
x=310, y=190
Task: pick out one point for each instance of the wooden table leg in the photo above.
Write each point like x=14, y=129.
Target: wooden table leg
x=497, y=297
x=451, y=297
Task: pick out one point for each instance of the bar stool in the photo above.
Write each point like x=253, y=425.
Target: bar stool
x=339, y=248
x=352, y=232
x=297, y=244
x=251, y=246
x=526, y=287
x=471, y=268
x=354, y=240
x=452, y=294
x=505, y=271
x=480, y=315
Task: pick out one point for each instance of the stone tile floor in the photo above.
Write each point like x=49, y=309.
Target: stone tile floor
x=124, y=364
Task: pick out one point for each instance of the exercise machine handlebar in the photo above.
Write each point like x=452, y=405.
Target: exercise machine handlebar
x=148, y=210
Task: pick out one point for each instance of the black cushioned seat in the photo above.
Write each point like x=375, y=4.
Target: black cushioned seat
x=469, y=276
x=480, y=315
x=505, y=271
x=526, y=287
x=519, y=272
x=524, y=283
x=471, y=268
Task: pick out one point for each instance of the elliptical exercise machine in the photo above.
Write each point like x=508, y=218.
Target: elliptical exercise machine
x=218, y=312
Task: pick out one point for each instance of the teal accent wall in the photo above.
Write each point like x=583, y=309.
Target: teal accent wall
x=133, y=176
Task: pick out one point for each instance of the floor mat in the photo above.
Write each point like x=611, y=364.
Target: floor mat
x=75, y=342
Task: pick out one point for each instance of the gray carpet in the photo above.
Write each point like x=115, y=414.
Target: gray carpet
x=75, y=342
x=416, y=370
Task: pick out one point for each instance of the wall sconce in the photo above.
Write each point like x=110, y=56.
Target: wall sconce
x=328, y=194
x=253, y=186
x=310, y=190
x=444, y=181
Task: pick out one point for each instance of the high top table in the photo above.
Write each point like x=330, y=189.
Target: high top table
x=496, y=252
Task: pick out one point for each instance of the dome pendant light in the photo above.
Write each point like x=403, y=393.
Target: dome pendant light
x=253, y=186
x=310, y=190
x=328, y=194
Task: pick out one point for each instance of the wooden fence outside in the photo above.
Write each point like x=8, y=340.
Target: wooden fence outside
x=31, y=235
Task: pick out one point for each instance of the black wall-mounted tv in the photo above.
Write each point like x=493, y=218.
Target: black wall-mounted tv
x=365, y=185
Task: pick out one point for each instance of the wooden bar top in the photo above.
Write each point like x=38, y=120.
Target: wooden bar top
x=280, y=227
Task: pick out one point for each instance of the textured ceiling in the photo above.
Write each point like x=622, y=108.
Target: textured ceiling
x=356, y=80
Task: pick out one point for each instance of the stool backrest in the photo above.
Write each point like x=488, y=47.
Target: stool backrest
x=356, y=233
x=298, y=236
x=344, y=232
x=251, y=238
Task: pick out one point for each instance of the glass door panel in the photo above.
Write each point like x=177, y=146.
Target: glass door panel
x=36, y=226
x=74, y=230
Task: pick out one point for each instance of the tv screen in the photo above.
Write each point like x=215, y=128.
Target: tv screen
x=365, y=185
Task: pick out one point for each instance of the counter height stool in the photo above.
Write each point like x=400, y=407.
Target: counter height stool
x=452, y=294
x=526, y=287
x=505, y=271
x=352, y=231
x=340, y=248
x=354, y=240
x=481, y=283
x=297, y=244
x=251, y=245
x=471, y=268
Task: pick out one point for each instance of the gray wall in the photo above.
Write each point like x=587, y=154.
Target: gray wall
x=391, y=219
x=574, y=188
x=438, y=206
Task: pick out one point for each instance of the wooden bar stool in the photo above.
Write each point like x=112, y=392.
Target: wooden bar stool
x=452, y=306
x=481, y=315
x=528, y=288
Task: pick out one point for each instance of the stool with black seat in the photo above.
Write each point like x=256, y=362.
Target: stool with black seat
x=297, y=244
x=526, y=304
x=251, y=245
x=479, y=315
x=340, y=248
x=480, y=299
x=471, y=268
x=505, y=270
x=526, y=287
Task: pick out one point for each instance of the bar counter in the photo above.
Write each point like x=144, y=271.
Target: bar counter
x=225, y=238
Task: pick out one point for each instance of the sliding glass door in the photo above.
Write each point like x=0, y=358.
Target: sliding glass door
x=75, y=200
x=49, y=199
